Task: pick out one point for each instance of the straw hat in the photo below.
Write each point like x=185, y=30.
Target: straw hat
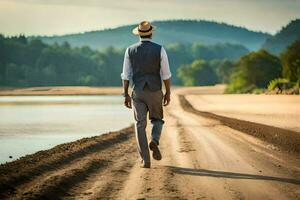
x=143, y=29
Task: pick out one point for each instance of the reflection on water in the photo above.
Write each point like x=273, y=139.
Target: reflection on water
x=32, y=123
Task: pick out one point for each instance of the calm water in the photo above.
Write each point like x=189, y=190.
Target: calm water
x=32, y=123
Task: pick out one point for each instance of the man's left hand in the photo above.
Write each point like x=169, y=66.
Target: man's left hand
x=127, y=101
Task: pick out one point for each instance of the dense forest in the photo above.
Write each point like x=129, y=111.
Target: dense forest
x=280, y=41
x=254, y=72
x=33, y=63
x=260, y=70
x=184, y=32
x=25, y=62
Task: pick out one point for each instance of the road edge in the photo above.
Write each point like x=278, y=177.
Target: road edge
x=287, y=140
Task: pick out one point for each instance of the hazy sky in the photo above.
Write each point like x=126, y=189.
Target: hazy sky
x=48, y=17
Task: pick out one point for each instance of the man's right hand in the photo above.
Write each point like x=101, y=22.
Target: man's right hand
x=166, y=99
x=127, y=101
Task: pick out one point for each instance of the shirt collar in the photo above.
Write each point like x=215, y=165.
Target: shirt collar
x=145, y=39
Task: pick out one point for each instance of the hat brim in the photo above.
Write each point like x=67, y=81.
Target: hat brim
x=136, y=31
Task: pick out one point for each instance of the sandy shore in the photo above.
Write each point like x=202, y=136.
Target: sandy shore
x=61, y=90
x=204, y=157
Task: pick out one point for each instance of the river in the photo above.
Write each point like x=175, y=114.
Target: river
x=32, y=123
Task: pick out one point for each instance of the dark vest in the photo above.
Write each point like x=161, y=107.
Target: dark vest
x=145, y=62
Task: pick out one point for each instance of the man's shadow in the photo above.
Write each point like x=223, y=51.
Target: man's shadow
x=222, y=174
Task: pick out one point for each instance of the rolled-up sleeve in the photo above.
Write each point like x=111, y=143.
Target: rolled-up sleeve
x=127, y=70
x=165, y=72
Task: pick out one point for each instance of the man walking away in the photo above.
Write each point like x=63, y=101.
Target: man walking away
x=146, y=64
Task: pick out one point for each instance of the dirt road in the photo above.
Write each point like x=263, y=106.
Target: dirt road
x=202, y=159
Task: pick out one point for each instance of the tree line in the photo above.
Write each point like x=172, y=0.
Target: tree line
x=252, y=72
x=30, y=62
x=34, y=63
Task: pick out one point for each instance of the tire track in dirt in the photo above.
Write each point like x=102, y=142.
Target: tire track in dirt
x=108, y=183
x=112, y=172
x=188, y=150
x=59, y=185
x=285, y=139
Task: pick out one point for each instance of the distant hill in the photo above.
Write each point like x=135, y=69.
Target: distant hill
x=171, y=31
x=287, y=35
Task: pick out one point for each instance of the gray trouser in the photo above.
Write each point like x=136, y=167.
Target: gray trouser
x=143, y=102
